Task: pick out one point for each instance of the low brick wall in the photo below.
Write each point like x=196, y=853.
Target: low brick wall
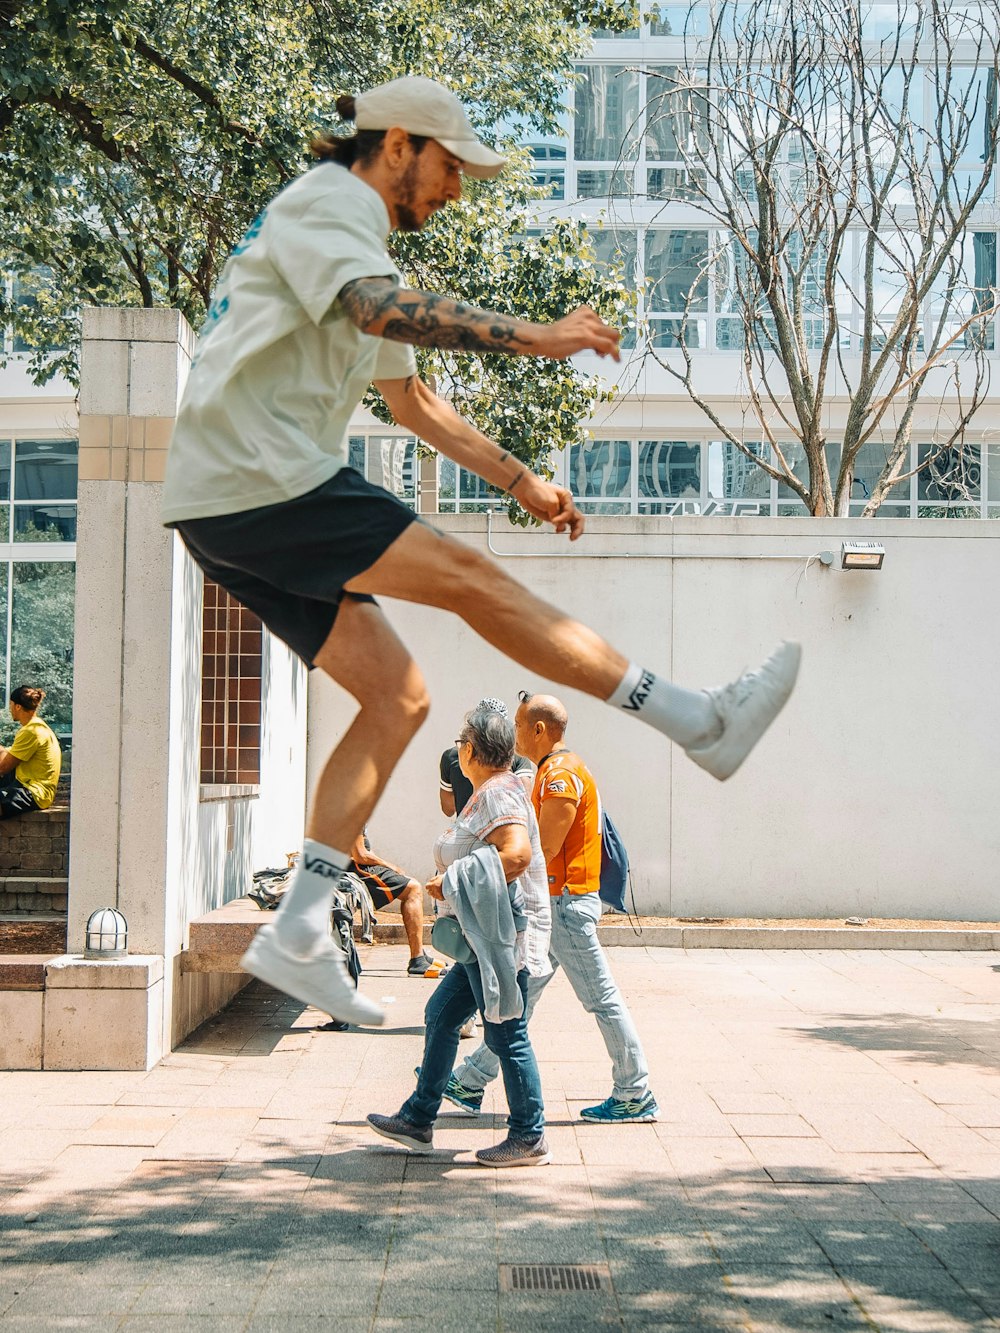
x=34, y=861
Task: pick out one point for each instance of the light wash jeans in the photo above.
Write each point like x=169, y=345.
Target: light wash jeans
x=574, y=947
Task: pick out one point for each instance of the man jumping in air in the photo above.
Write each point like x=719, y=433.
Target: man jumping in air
x=309, y=311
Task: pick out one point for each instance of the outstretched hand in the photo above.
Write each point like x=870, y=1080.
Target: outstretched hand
x=552, y=504
x=581, y=331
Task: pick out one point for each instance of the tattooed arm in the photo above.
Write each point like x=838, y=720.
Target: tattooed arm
x=381, y=307
x=419, y=409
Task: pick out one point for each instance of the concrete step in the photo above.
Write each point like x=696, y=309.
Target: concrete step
x=219, y=939
x=24, y=971
x=33, y=932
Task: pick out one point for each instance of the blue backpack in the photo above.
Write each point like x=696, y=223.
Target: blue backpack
x=614, y=866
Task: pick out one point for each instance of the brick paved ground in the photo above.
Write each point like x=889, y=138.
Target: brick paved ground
x=828, y=1157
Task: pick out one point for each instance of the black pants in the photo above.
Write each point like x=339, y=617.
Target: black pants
x=15, y=799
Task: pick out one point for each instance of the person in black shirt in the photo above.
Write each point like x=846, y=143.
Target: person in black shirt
x=455, y=787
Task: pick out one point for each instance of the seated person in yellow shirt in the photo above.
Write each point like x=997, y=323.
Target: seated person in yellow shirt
x=29, y=770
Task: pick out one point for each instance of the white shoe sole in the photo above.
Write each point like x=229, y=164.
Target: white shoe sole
x=461, y=1106
x=747, y=723
x=626, y=1120
x=321, y=981
x=544, y=1160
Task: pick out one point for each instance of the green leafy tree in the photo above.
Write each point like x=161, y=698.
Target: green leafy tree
x=139, y=138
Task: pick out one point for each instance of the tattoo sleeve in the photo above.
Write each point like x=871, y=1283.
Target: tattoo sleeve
x=380, y=306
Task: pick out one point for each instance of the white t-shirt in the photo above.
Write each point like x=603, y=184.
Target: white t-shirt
x=502, y=800
x=280, y=368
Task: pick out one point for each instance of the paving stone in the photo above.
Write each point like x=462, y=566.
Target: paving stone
x=266, y=1196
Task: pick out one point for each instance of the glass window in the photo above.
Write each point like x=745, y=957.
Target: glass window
x=666, y=20
x=674, y=117
x=670, y=332
x=392, y=463
x=676, y=183
x=615, y=252
x=601, y=468
x=45, y=469
x=45, y=523
x=795, y=456
x=734, y=476
x=42, y=635
x=949, y=475
x=608, y=35
x=677, y=270
x=993, y=452
x=615, y=255
x=447, y=480
x=880, y=21
x=26, y=291
x=475, y=494
x=356, y=453
x=603, y=184
x=552, y=179
x=669, y=469
x=607, y=112
x=895, y=257
x=869, y=466
x=965, y=285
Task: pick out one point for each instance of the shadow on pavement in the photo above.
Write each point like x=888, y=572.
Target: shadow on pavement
x=924, y=1038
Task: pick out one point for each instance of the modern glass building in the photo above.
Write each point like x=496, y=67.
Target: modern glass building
x=623, y=164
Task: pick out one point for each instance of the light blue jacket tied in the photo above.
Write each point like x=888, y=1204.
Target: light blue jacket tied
x=490, y=915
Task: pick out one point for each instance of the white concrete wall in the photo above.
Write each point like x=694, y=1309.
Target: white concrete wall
x=876, y=791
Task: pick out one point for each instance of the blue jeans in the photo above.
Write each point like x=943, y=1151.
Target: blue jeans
x=575, y=948
x=457, y=997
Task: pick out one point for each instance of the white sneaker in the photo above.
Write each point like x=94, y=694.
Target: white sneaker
x=746, y=709
x=321, y=980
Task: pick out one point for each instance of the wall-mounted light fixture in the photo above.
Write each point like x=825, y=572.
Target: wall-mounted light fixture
x=107, y=934
x=862, y=555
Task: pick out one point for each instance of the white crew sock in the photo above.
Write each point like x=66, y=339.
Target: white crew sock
x=686, y=716
x=302, y=921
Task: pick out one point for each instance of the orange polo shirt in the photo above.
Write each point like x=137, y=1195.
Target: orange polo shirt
x=563, y=776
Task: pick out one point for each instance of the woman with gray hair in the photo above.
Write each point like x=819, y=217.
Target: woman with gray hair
x=500, y=816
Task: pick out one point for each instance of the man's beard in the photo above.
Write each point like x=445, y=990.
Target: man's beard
x=406, y=217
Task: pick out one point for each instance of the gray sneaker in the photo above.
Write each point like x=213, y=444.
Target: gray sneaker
x=402, y=1131
x=746, y=709
x=515, y=1152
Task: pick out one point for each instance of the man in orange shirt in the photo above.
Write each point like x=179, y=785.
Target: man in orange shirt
x=568, y=806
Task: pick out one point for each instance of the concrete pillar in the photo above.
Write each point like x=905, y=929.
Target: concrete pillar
x=137, y=840
x=133, y=366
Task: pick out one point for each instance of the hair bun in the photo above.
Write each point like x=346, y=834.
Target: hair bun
x=345, y=107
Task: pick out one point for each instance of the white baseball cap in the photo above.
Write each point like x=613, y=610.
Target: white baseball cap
x=421, y=106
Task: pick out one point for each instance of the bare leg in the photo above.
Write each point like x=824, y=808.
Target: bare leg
x=411, y=909
x=717, y=728
x=423, y=565
x=364, y=655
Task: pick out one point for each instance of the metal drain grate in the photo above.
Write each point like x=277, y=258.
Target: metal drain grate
x=555, y=1277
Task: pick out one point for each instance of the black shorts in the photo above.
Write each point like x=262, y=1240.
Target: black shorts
x=288, y=562
x=382, y=882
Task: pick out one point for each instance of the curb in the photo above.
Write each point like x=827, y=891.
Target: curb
x=617, y=933
x=793, y=937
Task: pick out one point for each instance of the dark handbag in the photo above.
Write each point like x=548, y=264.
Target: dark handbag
x=447, y=938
